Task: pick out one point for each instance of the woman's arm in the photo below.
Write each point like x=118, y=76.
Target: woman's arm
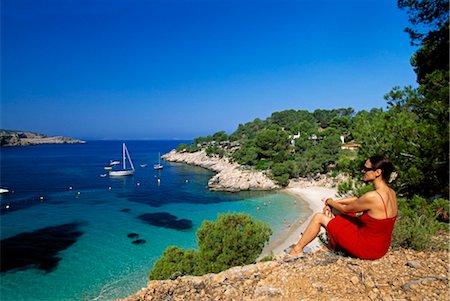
x=351, y=204
x=347, y=200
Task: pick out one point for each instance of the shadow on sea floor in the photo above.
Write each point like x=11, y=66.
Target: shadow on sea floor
x=166, y=220
x=38, y=249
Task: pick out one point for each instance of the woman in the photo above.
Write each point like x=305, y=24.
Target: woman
x=367, y=236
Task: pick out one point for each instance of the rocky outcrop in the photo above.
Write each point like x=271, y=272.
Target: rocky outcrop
x=18, y=138
x=400, y=275
x=229, y=177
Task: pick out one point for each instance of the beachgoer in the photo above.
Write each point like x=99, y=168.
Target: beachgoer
x=367, y=236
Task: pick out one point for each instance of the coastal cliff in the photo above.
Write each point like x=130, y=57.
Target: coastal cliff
x=400, y=275
x=20, y=138
x=230, y=176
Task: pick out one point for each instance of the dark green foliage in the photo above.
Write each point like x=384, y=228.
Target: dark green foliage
x=175, y=262
x=220, y=136
x=214, y=150
x=353, y=187
x=248, y=130
x=272, y=143
x=417, y=223
x=246, y=155
x=234, y=239
x=283, y=171
x=263, y=164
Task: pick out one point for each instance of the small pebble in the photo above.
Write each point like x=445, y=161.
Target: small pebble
x=413, y=264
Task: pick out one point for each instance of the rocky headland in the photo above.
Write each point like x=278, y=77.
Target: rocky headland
x=400, y=275
x=230, y=176
x=20, y=138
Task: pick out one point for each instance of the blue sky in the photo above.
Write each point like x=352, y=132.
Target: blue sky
x=178, y=69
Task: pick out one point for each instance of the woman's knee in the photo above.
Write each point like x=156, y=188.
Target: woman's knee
x=318, y=216
x=321, y=218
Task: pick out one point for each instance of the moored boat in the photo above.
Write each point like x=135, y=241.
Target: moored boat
x=158, y=165
x=124, y=171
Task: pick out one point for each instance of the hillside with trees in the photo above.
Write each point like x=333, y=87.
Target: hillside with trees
x=413, y=130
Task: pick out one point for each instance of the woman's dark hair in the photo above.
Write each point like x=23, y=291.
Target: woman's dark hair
x=384, y=164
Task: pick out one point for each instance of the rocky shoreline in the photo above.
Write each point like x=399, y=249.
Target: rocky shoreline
x=230, y=176
x=19, y=138
x=400, y=275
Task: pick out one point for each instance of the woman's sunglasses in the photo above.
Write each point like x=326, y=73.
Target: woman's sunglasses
x=366, y=169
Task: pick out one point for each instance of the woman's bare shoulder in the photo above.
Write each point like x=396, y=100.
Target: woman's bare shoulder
x=370, y=196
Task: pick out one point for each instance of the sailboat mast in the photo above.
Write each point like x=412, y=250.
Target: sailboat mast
x=123, y=155
x=129, y=158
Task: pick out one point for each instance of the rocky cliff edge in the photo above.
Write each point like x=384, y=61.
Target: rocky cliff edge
x=400, y=275
x=229, y=177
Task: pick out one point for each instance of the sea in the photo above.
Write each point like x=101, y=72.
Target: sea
x=70, y=232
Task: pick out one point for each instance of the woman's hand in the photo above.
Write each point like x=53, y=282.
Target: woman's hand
x=325, y=200
x=327, y=211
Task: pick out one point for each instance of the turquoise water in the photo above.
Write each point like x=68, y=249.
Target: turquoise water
x=101, y=260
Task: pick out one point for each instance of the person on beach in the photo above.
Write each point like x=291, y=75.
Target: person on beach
x=367, y=236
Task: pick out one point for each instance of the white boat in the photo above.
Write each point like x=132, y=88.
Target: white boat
x=143, y=165
x=114, y=162
x=124, y=171
x=158, y=165
x=3, y=190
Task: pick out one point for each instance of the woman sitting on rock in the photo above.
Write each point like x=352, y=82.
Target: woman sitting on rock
x=367, y=236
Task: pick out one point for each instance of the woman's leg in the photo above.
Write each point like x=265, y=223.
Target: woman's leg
x=311, y=232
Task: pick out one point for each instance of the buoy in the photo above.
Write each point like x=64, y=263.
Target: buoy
x=159, y=182
x=70, y=187
x=109, y=188
x=41, y=198
x=78, y=193
x=187, y=181
x=138, y=184
x=7, y=206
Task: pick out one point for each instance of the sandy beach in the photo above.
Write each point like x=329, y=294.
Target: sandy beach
x=313, y=197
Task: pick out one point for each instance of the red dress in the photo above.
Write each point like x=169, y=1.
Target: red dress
x=364, y=237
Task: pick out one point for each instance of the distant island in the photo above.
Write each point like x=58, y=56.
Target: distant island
x=21, y=138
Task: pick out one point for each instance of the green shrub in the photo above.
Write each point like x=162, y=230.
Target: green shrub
x=214, y=150
x=183, y=147
x=263, y=164
x=283, y=179
x=345, y=187
x=441, y=209
x=234, y=239
x=175, y=262
x=418, y=223
x=269, y=257
x=353, y=187
x=414, y=232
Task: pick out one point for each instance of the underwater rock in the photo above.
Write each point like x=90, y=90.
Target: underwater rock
x=138, y=242
x=132, y=235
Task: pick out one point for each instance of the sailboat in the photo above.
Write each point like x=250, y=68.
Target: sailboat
x=124, y=171
x=158, y=165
